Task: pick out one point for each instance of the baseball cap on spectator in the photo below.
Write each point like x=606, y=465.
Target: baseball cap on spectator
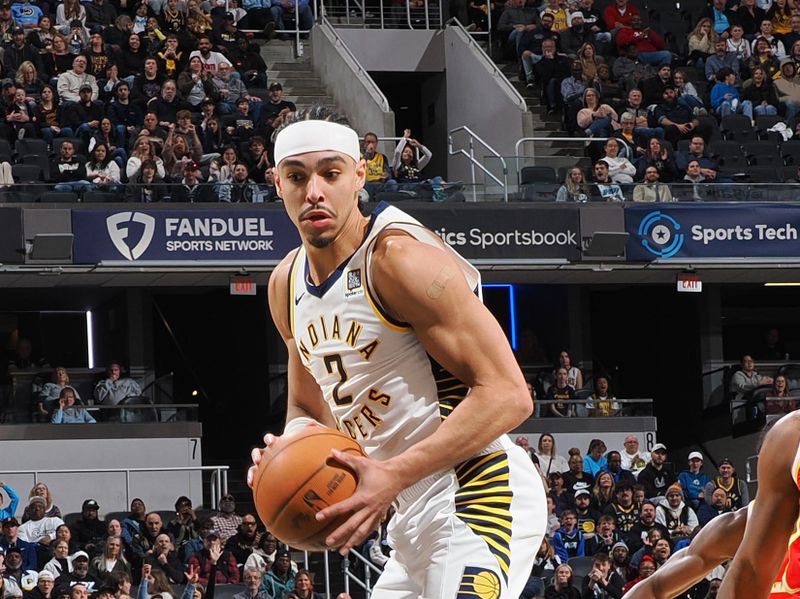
x=229, y=17
x=80, y=555
x=786, y=61
x=46, y=575
x=17, y=30
x=275, y=86
x=5, y=83
x=659, y=447
x=11, y=550
x=282, y=553
x=35, y=498
x=696, y=455
x=84, y=87
x=5, y=5
x=580, y=492
x=725, y=461
x=10, y=522
x=191, y=166
x=574, y=15
x=89, y=504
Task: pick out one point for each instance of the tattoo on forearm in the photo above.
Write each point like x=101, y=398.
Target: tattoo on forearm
x=439, y=284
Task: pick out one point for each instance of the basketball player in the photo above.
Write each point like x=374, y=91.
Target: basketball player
x=766, y=547
x=389, y=343
x=720, y=539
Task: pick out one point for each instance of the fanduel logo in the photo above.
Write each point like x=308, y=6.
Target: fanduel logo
x=118, y=230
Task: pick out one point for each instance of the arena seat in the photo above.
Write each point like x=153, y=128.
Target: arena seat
x=116, y=516
x=71, y=518
x=31, y=145
x=581, y=566
x=26, y=173
x=40, y=160
x=790, y=150
x=765, y=122
x=227, y=591
x=762, y=153
x=537, y=174
x=729, y=154
x=737, y=126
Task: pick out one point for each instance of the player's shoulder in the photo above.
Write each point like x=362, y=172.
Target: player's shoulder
x=397, y=251
x=278, y=287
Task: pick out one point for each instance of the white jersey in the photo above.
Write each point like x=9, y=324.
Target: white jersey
x=382, y=387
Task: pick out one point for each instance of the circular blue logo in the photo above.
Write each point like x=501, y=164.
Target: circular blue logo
x=661, y=234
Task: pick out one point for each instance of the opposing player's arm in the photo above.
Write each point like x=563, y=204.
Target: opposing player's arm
x=304, y=395
x=715, y=544
x=770, y=524
x=424, y=286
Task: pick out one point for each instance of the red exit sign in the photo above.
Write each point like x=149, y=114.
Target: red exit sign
x=243, y=285
x=689, y=283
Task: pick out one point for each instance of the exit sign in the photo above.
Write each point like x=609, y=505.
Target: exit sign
x=241, y=285
x=689, y=283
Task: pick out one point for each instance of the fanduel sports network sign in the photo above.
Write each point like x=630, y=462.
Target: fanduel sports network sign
x=664, y=231
x=146, y=235
x=504, y=232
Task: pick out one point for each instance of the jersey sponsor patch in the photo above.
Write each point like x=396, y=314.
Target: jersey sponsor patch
x=478, y=583
x=354, y=286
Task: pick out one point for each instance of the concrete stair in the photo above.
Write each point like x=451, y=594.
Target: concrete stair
x=301, y=84
x=555, y=153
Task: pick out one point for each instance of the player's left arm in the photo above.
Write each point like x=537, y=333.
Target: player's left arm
x=770, y=525
x=424, y=286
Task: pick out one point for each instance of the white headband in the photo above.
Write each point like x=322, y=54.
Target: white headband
x=316, y=136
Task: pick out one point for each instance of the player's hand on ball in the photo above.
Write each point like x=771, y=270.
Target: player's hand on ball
x=378, y=486
x=256, y=455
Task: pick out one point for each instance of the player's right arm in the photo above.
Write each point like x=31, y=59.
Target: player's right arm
x=771, y=523
x=304, y=395
x=715, y=544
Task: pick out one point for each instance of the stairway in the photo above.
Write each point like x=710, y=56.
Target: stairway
x=556, y=153
x=301, y=84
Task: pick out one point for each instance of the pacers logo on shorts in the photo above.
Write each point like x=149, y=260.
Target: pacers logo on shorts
x=479, y=583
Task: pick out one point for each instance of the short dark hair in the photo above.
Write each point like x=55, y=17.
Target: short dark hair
x=723, y=73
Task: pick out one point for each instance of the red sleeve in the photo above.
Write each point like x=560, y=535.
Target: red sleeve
x=624, y=37
x=656, y=40
x=610, y=16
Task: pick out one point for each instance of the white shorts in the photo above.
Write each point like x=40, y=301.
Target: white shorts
x=467, y=533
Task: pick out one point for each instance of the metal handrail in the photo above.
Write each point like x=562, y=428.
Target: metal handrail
x=474, y=162
x=523, y=105
x=362, y=7
x=366, y=584
x=219, y=480
x=364, y=75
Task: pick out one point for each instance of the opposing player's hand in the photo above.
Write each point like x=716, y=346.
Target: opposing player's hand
x=377, y=487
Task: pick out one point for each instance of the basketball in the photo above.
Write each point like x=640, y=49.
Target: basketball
x=295, y=480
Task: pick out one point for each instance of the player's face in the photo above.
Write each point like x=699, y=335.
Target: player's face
x=319, y=191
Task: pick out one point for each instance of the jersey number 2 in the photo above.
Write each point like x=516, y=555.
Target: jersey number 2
x=334, y=361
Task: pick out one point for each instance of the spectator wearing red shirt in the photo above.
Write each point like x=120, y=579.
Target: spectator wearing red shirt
x=227, y=572
x=618, y=15
x=649, y=43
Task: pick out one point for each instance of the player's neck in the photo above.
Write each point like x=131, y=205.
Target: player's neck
x=324, y=261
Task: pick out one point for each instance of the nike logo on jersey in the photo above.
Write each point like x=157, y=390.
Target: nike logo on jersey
x=298, y=298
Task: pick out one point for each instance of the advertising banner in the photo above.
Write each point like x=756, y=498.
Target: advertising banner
x=506, y=232
x=677, y=231
x=176, y=235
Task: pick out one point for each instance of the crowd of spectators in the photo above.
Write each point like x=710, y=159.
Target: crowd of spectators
x=628, y=509
x=660, y=79
x=149, y=92
x=138, y=555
